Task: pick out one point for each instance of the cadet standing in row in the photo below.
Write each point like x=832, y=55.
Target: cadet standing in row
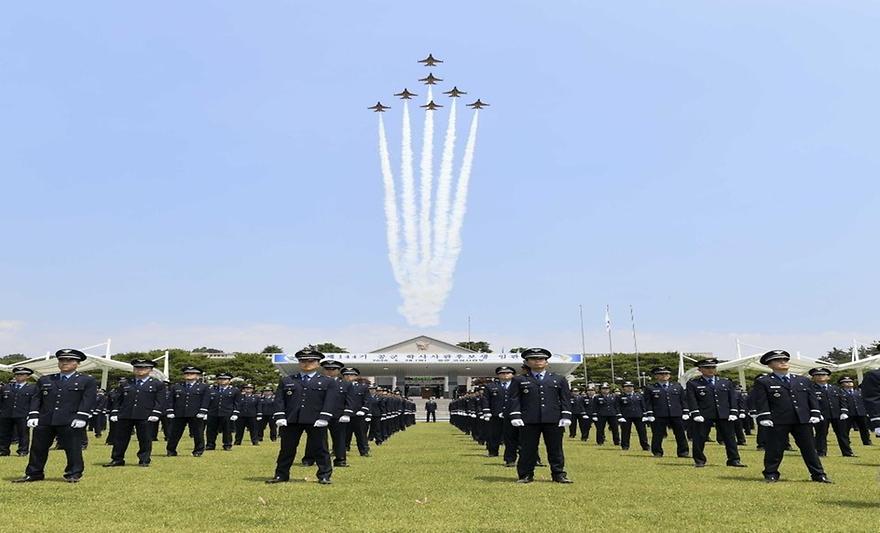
x=666, y=408
x=834, y=413
x=712, y=400
x=188, y=408
x=603, y=410
x=140, y=406
x=60, y=408
x=248, y=407
x=857, y=414
x=359, y=398
x=15, y=403
x=631, y=407
x=222, y=412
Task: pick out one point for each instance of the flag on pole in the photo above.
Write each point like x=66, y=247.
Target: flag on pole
x=607, y=320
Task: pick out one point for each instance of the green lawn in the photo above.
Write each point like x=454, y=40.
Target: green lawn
x=433, y=478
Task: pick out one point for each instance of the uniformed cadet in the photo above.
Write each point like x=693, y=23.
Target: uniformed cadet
x=188, y=409
x=577, y=410
x=870, y=388
x=304, y=403
x=164, y=421
x=631, y=407
x=540, y=405
x=603, y=411
x=98, y=421
x=264, y=420
x=786, y=404
x=494, y=403
x=739, y=426
x=857, y=414
x=835, y=412
x=357, y=427
x=222, y=412
x=15, y=403
x=342, y=411
x=509, y=433
x=431, y=410
x=112, y=399
x=712, y=400
x=141, y=404
x=248, y=407
x=666, y=408
x=60, y=408
x=585, y=421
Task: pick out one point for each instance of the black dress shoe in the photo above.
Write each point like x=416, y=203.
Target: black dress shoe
x=113, y=463
x=197, y=454
x=736, y=464
x=276, y=480
x=340, y=465
x=324, y=481
x=227, y=448
x=658, y=455
x=308, y=463
x=171, y=454
x=145, y=465
x=527, y=479
x=771, y=478
x=72, y=479
x=5, y=454
x=22, y=454
x=699, y=464
x=850, y=455
x=684, y=455
x=365, y=454
x=562, y=479
x=27, y=479
x=509, y=465
x=822, y=479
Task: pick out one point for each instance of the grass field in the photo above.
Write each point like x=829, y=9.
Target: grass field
x=433, y=478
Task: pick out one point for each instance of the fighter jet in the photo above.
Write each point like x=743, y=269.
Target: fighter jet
x=405, y=95
x=379, y=108
x=479, y=104
x=454, y=93
x=430, y=61
x=431, y=106
x=431, y=80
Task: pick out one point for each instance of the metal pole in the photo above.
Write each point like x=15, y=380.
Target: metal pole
x=469, y=332
x=635, y=342
x=167, y=375
x=610, y=347
x=583, y=346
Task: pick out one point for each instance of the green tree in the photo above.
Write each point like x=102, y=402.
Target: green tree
x=205, y=349
x=12, y=358
x=520, y=349
x=475, y=346
x=273, y=348
x=329, y=347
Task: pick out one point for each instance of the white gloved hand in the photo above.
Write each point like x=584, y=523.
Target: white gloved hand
x=360, y=413
x=876, y=431
x=259, y=419
x=595, y=419
x=152, y=419
x=486, y=418
x=344, y=419
x=321, y=423
x=815, y=420
x=621, y=420
x=732, y=418
x=368, y=419
x=766, y=423
x=651, y=419
x=33, y=422
x=114, y=418
x=685, y=417
x=500, y=415
x=844, y=416
x=742, y=415
x=170, y=416
x=473, y=416
x=517, y=423
x=233, y=418
x=78, y=424
x=203, y=416
x=281, y=422
x=645, y=419
x=699, y=418
x=585, y=416
x=564, y=422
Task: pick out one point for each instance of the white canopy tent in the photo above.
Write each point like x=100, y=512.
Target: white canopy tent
x=797, y=364
x=49, y=365
x=5, y=368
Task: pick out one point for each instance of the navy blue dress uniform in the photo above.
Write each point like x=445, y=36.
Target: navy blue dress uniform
x=60, y=409
x=666, y=408
x=858, y=415
x=494, y=402
x=713, y=400
x=603, y=410
x=786, y=404
x=248, y=409
x=15, y=403
x=540, y=404
x=359, y=408
x=631, y=407
x=834, y=411
x=584, y=420
x=577, y=410
x=304, y=403
x=141, y=403
x=509, y=433
x=430, y=411
x=870, y=388
x=188, y=409
x=98, y=421
x=264, y=420
x=342, y=412
x=222, y=413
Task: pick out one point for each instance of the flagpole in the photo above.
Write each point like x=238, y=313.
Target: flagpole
x=583, y=347
x=635, y=342
x=610, y=347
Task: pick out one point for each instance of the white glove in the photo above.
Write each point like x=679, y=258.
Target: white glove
x=651, y=419
x=487, y=417
x=585, y=417
x=517, y=423
x=621, y=420
x=564, y=422
x=473, y=416
x=645, y=419
x=203, y=416
x=259, y=418
x=699, y=418
x=742, y=415
x=732, y=418
x=844, y=416
x=500, y=415
x=368, y=419
x=321, y=423
x=169, y=415
x=152, y=419
x=815, y=420
x=281, y=422
x=685, y=417
x=344, y=419
x=595, y=419
x=114, y=418
x=233, y=418
x=766, y=423
x=876, y=430
x=33, y=422
x=78, y=424
x=360, y=413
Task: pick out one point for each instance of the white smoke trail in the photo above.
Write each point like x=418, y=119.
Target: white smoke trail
x=410, y=257
x=444, y=186
x=392, y=228
x=426, y=171
x=458, y=210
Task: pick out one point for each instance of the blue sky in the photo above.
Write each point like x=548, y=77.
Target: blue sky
x=189, y=174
